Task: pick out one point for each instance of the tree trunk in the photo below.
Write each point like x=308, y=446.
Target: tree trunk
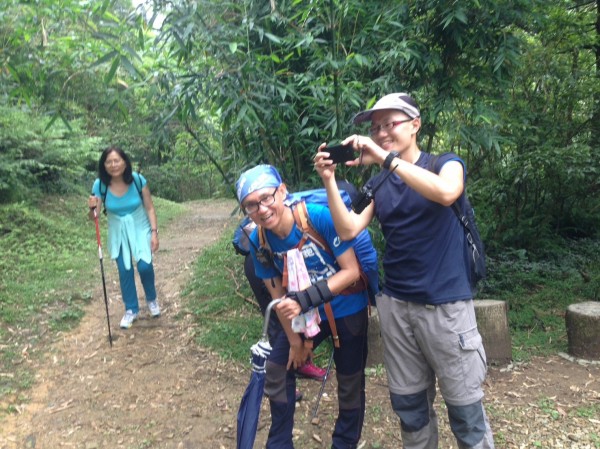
x=583, y=329
x=492, y=322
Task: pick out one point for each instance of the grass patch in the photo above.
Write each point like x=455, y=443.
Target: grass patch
x=227, y=323
x=588, y=411
x=48, y=272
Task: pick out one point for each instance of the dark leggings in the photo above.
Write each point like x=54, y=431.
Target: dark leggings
x=350, y=360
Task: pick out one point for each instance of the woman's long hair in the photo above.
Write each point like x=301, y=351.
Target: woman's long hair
x=103, y=174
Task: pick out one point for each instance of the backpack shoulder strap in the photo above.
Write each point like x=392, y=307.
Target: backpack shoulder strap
x=103, y=196
x=305, y=225
x=432, y=167
x=136, y=180
x=303, y=221
x=309, y=232
x=262, y=238
x=103, y=193
x=462, y=218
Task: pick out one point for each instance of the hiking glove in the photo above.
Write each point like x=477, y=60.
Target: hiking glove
x=313, y=296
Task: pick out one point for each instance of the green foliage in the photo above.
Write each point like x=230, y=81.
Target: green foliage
x=538, y=291
x=43, y=282
x=284, y=78
x=34, y=161
x=509, y=86
x=549, y=407
x=187, y=175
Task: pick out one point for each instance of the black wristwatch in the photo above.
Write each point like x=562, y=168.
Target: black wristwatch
x=388, y=160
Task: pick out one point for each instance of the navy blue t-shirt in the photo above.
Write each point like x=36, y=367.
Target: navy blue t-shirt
x=425, y=257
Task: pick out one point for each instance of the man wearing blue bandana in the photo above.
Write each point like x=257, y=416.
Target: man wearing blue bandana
x=261, y=194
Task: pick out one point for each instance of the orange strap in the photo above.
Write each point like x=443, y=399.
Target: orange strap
x=331, y=319
x=302, y=221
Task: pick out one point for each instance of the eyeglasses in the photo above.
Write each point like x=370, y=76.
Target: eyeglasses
x=113, y=163
x=266, y=200
x=387, y=127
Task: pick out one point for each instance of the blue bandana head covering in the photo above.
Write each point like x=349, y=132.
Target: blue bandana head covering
x=257, y=178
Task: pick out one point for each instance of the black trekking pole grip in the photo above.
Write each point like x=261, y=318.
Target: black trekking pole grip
x=102, y=271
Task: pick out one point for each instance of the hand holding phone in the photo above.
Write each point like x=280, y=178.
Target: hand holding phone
x=340, y=153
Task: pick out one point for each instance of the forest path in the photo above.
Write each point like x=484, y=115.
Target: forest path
x=157, y=389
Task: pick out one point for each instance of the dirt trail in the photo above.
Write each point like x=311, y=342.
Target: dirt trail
x=157, y=389
x=151, y=389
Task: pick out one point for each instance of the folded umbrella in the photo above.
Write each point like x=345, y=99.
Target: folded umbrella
x=249, y=411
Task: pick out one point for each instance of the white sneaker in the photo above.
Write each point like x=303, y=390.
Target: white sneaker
x=154, y=308
x=128, y=319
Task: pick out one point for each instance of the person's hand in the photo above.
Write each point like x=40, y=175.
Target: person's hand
x=370, y=152
x=324, y=167
x=154, y=242
x=289, y=308
x=92, y=202
x=299, y=354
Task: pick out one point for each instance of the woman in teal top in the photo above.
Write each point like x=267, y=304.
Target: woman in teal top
x=132, y=227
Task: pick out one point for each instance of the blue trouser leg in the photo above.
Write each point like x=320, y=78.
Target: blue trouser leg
x=127, y=282
x=350, y=360
x=146, y=272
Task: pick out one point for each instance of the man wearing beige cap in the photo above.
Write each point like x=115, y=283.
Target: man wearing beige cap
x=426, y=307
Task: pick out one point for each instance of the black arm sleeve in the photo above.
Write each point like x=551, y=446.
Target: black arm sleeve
x=313, y=296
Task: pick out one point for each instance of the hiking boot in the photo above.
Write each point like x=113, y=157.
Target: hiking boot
x=154, y=308
x=311, y=371
x=128, y=319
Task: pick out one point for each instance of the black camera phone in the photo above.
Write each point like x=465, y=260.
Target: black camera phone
x=341, y=153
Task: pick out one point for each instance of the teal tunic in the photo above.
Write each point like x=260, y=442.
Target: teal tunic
x=128, y=225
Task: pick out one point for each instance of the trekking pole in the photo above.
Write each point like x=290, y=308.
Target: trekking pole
x=102, y=271
x=315, y=418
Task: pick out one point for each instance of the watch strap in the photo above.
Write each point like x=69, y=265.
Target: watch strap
x=388, y=160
